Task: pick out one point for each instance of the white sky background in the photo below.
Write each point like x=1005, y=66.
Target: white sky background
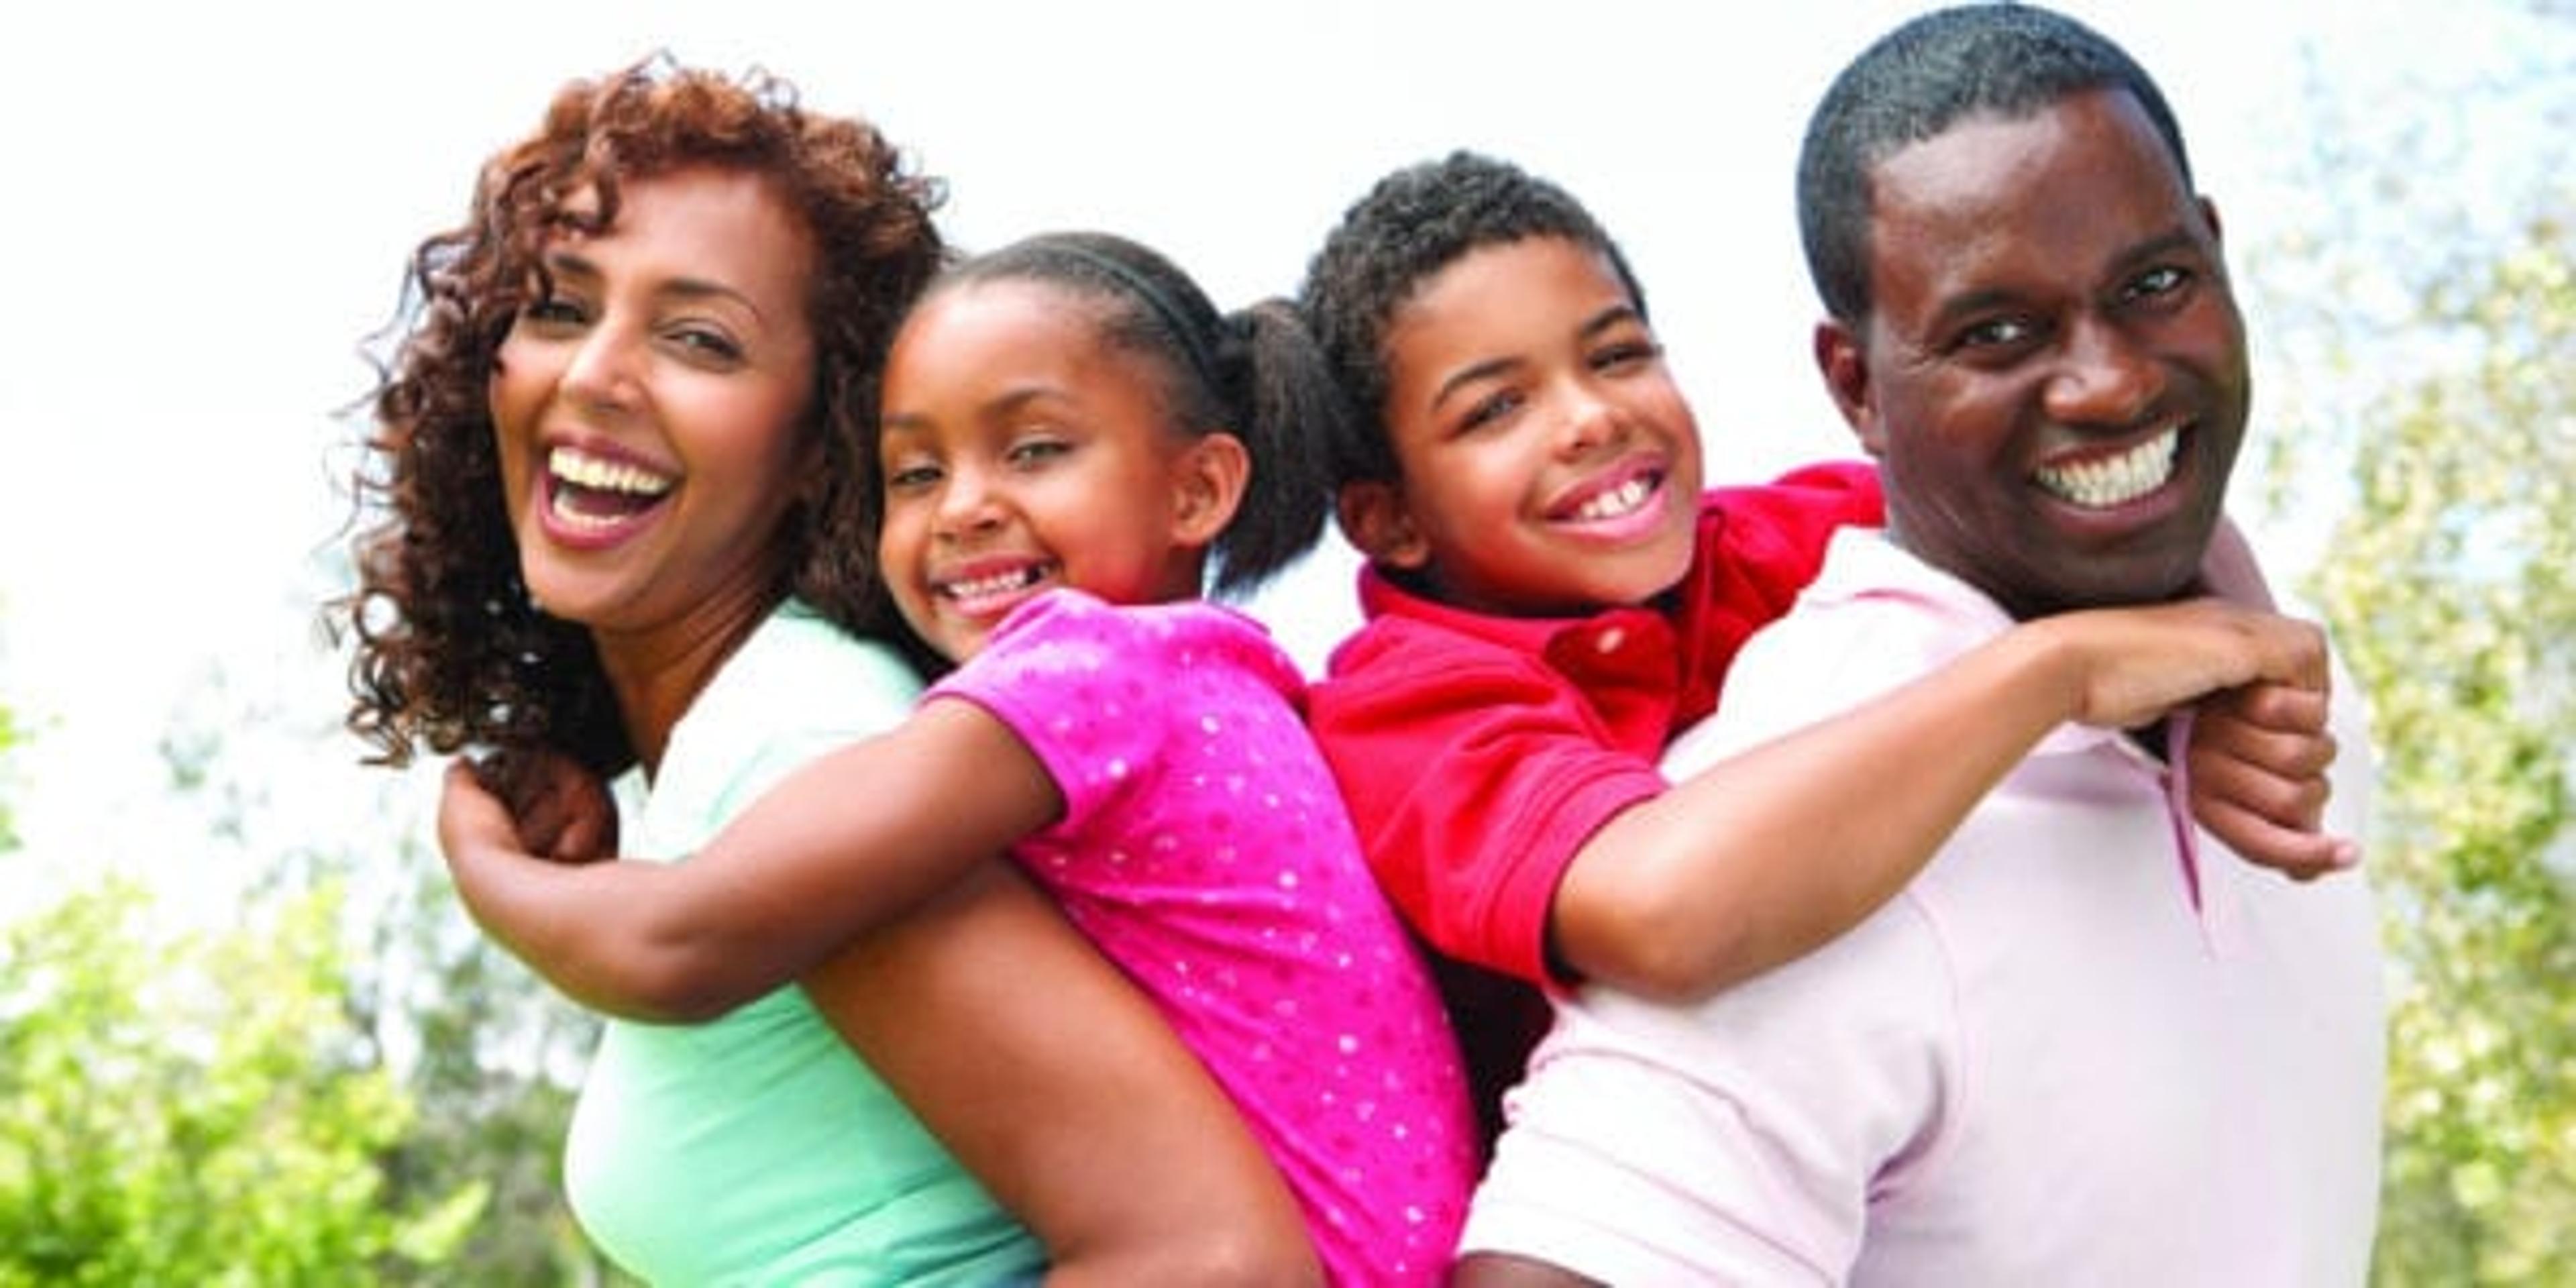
x=207, y=209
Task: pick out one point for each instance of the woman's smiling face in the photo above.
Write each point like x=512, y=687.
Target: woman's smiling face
x=651, y=411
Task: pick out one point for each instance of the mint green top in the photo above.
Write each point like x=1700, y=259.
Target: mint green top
x=757, y=1149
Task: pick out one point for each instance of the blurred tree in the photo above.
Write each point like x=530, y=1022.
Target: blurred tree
x=2431, y=303
x=194, y=1108
x=483, y=1049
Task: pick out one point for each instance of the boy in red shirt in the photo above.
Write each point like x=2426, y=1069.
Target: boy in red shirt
x=1550, y=597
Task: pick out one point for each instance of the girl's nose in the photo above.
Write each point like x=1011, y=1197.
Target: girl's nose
x=967, y=504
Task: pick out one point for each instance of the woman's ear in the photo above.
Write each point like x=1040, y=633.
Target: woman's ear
x=1208, y=483
x=1374, y=518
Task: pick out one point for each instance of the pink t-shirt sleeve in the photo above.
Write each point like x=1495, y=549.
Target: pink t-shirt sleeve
x=1205, y=850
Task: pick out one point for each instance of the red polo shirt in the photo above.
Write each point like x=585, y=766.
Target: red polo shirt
x=1478, y=753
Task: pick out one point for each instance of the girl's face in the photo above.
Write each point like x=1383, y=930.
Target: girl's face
x=1021, y=452
x=1549, y=465
x=650, y=412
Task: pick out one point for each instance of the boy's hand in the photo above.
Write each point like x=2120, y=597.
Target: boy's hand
x=2258, y=761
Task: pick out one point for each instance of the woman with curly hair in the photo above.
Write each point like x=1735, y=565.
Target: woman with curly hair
x=625, y=522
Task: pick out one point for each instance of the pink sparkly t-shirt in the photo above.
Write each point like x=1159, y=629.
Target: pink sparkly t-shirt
x=1206, y=851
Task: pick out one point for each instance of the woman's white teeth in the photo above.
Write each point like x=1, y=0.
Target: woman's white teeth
x=1617, y=501
x=600, y=474
x=2114, y=480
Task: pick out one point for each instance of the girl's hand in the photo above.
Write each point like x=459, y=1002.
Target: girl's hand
x=540, y=802
x=2258, y=761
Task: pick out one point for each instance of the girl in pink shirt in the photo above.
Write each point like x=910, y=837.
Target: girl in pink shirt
x=1073, y=443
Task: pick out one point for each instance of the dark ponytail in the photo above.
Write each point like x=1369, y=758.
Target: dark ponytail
x=1256, y=374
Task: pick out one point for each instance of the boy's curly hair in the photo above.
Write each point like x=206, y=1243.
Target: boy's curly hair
x=1412, y=224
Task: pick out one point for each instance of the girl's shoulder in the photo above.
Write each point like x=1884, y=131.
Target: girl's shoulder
x=1069, y=630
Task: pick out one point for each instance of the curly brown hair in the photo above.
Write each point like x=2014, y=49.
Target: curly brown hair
x=450, y=651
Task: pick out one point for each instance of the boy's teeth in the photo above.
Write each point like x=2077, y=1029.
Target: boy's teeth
x=602, y=475
x=2114, y=480
x=1615, y=502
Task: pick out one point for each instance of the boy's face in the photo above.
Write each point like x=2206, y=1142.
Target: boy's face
x=2054, y=377
x=1549, y=465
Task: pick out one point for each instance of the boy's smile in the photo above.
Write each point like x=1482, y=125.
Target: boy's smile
x=1550, y=466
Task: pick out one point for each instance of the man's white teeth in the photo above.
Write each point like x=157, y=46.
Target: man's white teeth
x=2114, y=480
x=600, y=474
x=1617, y=501
x=1000, y=583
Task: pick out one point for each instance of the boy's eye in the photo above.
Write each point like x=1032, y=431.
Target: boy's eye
x=1626, y=353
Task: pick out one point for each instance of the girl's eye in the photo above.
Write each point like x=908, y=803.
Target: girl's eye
x=901, y=476
x=1037, y=451
x=1490, y=408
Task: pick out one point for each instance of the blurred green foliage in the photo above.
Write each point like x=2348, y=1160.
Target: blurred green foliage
x=2452, y=591
x=195, y=1109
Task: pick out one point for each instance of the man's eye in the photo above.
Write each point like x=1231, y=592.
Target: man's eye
x=1996, y=333
x=2156, y=282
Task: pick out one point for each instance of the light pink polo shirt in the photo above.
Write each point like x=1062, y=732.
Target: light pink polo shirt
x=2087, y=1045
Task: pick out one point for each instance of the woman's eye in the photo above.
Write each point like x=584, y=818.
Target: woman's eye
x=708, y=342
x=554, y=311
x=900, y=477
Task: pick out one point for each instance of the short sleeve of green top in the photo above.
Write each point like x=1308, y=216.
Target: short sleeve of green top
x=757, y=1149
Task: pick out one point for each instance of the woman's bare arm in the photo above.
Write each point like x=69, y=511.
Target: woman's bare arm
x=1061, y=1088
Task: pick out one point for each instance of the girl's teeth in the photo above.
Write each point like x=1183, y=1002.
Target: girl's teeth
x=2114, y=480
x=1000, y=583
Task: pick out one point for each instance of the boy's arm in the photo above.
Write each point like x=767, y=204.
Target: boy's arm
x=1766, y=855
x=2258, y=755
x=844, y=844
x=1060, y=1088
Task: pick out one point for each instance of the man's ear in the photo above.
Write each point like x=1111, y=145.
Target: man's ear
x=1374, y=518
x=1208, y=483
x=1846, y=371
